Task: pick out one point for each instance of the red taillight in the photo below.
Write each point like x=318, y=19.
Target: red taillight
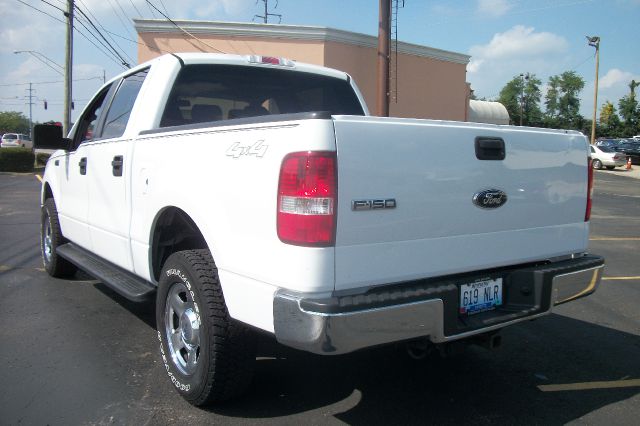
x=307, y=194
x=587, y=214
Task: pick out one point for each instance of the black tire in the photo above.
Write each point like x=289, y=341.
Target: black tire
x=611, y=167
x=208, y=356
x=597, y=164
x=50, y=239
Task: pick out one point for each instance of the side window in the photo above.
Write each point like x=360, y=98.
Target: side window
x=592, y=150
x=120, y=109
x=89, y=120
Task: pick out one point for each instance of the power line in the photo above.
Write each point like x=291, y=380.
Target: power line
x=63, y=22
x=50, y=82
x=41, y=11
x=134, y=6
x=104, y=29
x=113, y=49
x=183, y=30
x=151, y=10
x=164, y=7
x=109, y=54
x=54, y=6
x=123, y=22
x=139, y=43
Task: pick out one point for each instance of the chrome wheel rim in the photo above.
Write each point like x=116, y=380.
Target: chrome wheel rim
x=47, y=245
x=182, y=328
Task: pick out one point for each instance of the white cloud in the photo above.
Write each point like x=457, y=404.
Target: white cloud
x=517, y=50
x=494, y=8
x=519, y=42
x=615, y=77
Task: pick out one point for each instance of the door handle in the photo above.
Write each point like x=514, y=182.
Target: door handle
x=116, y=164
x=490, y=148
x=83, y=166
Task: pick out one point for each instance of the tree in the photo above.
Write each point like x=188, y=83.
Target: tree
x=13, y=122
x=630, y=112
x=609, y=120
x=562, y=101
x=521, y=97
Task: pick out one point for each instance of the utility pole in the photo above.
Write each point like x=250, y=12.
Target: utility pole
x=266, y=15
x=595, y=42
x=384, y=40
x=68, y=69
x=30, y=111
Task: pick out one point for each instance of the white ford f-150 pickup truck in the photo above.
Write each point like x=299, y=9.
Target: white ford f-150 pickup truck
x=250, y=193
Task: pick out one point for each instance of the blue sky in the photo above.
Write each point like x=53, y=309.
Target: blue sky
x=503, y=37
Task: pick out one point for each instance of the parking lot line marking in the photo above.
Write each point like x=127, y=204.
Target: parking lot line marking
x=614, y=384
x=621, y=278
x=39, y=178
x=4, y=268
x=614, y=239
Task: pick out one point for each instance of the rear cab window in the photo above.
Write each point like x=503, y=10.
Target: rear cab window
x=205, y=93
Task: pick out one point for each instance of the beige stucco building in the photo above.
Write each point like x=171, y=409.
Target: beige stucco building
x=431, y=83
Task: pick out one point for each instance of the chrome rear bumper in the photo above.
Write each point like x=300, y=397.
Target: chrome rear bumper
x=344, y=323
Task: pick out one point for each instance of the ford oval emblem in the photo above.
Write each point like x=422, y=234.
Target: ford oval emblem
x=490, y=199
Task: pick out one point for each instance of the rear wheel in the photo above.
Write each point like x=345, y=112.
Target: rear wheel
x=208, y=356
x=50, y=239
x=597, y=164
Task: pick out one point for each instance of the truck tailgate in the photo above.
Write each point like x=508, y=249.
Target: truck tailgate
x=431, y=172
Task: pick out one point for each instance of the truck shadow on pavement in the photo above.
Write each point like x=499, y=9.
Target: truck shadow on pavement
x=510, y=385
x=481, y=386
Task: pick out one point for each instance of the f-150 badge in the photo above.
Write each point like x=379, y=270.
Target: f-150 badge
x=378, y=204
x=490, y=198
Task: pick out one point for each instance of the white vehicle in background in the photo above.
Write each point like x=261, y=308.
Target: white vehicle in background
x=255, y=193
x=16, y=140
x=606, y=156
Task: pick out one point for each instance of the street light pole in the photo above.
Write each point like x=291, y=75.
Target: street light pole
x=68, y=64
x=42, y=58
x=595, y=42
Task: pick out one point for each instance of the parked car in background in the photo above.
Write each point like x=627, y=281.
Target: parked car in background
x=630, y=149
x=608, y=142
x=606, y=156
x=16, y=140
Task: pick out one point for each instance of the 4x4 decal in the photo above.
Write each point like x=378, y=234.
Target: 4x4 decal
x=259, y=149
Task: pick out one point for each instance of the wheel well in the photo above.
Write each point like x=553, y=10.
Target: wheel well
x=174, y=231
x=48, y=193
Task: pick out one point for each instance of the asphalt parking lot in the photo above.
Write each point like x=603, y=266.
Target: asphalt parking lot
x=73, y=352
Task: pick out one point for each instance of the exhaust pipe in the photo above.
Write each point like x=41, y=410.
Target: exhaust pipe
x=489, y=341
x=419, y=349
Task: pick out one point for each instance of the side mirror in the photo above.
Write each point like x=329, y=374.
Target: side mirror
x=49, y=136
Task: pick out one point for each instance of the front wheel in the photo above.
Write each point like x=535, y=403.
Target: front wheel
x=50, y=239
x=597, y=164
x=208, y=356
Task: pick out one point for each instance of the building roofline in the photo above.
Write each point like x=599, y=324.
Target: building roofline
x=293, y=32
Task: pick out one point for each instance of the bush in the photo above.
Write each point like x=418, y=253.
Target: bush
x=16, y=160
x=41, y=158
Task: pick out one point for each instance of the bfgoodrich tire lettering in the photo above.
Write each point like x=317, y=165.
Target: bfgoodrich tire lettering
x=50, y=239
x=208, y=356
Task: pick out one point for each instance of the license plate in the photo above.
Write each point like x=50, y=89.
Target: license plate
x=480, y=296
